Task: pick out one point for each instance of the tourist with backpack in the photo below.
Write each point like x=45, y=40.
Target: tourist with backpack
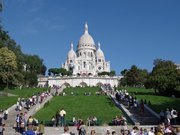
x=82, y=129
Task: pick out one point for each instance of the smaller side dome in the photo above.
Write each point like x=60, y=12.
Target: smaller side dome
x=99, y=52
x=71, y=53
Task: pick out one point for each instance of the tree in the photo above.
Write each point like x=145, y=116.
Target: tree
x=164, y=77
x=28, y=67
x=59, y=71
x=54, y=71
x=112, y=73
x=134, y=77
x=8, y=67
x=124, y=72
x=103, y=73
x=33, y=66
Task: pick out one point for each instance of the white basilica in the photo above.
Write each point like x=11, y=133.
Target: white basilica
x=88, y=59
x=85, y=64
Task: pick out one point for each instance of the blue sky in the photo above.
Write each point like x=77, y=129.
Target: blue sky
x=130, y=31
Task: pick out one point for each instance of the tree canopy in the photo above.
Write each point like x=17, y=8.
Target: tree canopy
x=111, y=73
x=16, y=67
x=59, y=71
x=165, y=77
x=134, y=77
x=8, y=66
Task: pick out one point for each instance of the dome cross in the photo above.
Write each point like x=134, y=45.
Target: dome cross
x=86, y=28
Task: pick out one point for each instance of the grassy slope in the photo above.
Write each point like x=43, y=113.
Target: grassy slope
x=25, y=92
x=158, y=102
x=6, y=102
x=81, y=106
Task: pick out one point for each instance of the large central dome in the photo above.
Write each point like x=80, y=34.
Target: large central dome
x=86, y=41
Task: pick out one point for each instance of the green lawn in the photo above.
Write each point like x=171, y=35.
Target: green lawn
x=6, y=102
x=25, y=92
x=81, y=106
x=158, y=103
x=139, y=91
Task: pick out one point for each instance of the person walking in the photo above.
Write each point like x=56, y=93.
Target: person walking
x=174, y=116
x=82, y=128
x=62, y=117
x=6, y=114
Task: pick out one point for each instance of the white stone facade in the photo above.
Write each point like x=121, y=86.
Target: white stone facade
x=87, y=60
x=77, y=81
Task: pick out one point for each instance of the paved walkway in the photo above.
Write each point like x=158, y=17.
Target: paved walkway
x=145, y=118
x=12, y=114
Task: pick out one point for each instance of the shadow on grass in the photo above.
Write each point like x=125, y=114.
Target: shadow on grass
x=142, y=93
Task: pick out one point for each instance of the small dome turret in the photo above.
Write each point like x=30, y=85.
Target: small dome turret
x=99, y=52
x=71, y=53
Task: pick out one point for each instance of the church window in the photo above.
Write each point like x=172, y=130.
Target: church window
x=91, y=54
x=84, y=54
x=84, y=64
x=99, y=68
x=99, y=60
x=71, y=61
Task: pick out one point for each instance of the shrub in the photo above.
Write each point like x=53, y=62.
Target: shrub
x=145, y=102
x=149, y=103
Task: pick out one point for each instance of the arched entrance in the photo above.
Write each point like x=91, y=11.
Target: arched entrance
x=66, y=85
x=83, y=84
x=99, y=84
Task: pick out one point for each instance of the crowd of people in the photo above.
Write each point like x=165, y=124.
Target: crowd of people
x=119, y=121
x=22, y=121
x=124, y=130
x=168, y=116
x=92, y=121
x=24, y=124
x=158, y=130
x=31, y=101
x=124, y=97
